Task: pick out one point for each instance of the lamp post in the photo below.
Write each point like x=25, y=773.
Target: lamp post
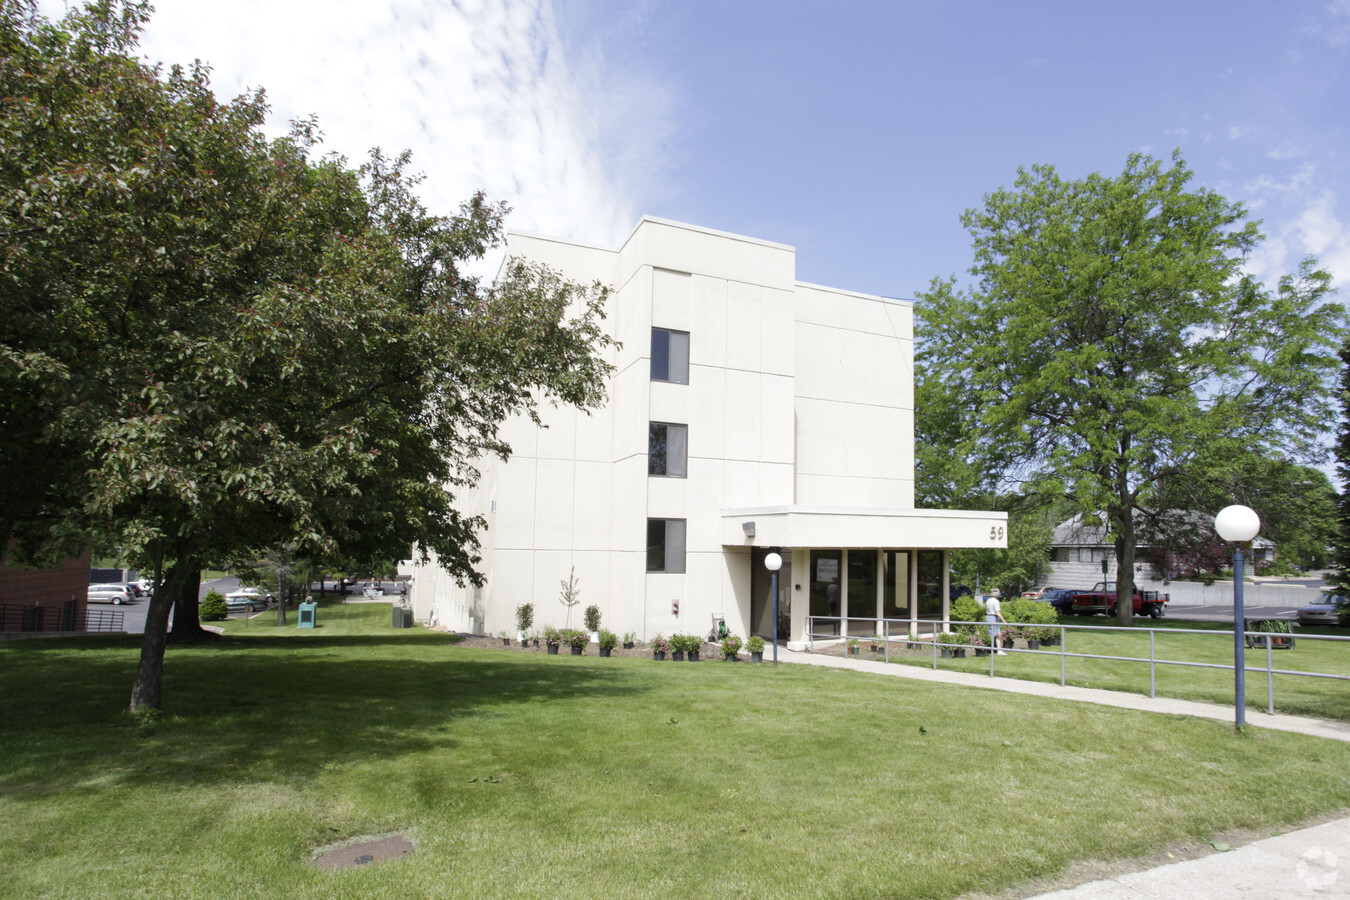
x=1238, y=524
x=773, y=562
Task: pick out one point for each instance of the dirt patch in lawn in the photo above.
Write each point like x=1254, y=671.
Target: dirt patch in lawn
x=362, y=851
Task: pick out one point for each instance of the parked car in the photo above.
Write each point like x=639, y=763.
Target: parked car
x=249, y=598
x=131, y=587
x=1325, y=611
x=1060, y=598
x=108, y=593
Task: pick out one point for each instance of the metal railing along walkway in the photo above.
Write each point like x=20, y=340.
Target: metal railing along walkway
x=1259, y=640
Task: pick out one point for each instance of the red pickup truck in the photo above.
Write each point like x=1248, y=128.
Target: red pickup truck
x=1102, y=599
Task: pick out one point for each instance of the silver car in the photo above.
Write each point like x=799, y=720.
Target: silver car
x=108, y=593
x=1325, y=611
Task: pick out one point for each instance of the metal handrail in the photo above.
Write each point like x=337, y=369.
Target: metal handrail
x=1267, y=638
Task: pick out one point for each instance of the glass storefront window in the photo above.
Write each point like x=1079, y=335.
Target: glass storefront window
x=896, y=601
x=929, y=565
x=862, y=584
x=826, y=578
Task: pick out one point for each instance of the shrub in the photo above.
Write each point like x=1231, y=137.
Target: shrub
x=592, y=618
x=755, y=644
x=575, y=638
x=731, y=645
x=608, y=640
x=659, y=644
x=1030, y=619
x=552, y=636
x=967, y=609
x=212, y=607
x=524, y=617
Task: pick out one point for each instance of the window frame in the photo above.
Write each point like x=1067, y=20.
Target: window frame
x=683, y=462
x=665, y=546
x=668, y=356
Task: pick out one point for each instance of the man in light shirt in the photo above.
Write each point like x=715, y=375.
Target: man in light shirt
x=993, y=614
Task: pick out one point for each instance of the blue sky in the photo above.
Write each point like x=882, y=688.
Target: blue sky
x=856, y=132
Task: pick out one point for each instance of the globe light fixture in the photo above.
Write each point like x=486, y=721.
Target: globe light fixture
x=1238, y=525
x=773, y=562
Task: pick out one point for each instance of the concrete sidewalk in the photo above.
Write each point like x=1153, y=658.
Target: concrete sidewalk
x=1303, y=863
x=1326, y=728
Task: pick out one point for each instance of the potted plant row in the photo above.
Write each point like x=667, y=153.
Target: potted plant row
x=1280, y=631
x=949, y=644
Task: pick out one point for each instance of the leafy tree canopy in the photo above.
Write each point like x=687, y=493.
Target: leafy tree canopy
x=1112, y=345
x=212, y=343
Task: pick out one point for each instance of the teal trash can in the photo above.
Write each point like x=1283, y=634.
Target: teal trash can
x=307, y=615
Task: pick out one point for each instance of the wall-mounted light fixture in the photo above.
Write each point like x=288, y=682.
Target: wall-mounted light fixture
x=748, y=528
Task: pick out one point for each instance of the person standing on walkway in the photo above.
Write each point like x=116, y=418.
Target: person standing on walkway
x=993, y=614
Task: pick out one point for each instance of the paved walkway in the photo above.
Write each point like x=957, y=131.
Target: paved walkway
x=1310, y=862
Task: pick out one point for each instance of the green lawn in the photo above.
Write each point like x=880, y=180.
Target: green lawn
x=1294, y=694
x=520, y=774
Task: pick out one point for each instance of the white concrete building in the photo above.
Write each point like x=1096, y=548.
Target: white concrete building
x=747, y=412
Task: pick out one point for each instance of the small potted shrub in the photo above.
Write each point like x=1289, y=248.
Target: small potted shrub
x=948, y=642
x=731, y=645
x=607, y=642
x=629, y=639
x=524, y=621
x=677, y=645
x=578, y=640
x=756, y=647
x=853, y=646
x=593, y=622
x=979, y=640
x=552, y=638
x=506, y=638
x=1282, y=633
x=692, y=644
x=660, y=647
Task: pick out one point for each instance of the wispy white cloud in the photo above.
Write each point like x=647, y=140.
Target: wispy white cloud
x=486, y=93
x=1333, y=26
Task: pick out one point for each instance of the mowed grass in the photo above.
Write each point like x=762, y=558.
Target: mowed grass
x=1294, y=694
x=523, y=775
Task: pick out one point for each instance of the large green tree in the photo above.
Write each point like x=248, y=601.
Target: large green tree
x=212, y=343
x=1112, y=342
x=1340, y=553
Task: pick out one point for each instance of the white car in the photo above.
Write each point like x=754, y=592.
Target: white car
x=108, y=593
x=249, y=598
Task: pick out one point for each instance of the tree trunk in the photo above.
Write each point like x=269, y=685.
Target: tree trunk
x=146, y=693
x=187, y=623
x=1125, y=541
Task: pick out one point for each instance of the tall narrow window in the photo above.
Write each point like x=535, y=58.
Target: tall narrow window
x=665, y=545
x=667, y=449
x=670, y=356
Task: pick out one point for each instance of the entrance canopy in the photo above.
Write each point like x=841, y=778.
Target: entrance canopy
x=862, y=527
